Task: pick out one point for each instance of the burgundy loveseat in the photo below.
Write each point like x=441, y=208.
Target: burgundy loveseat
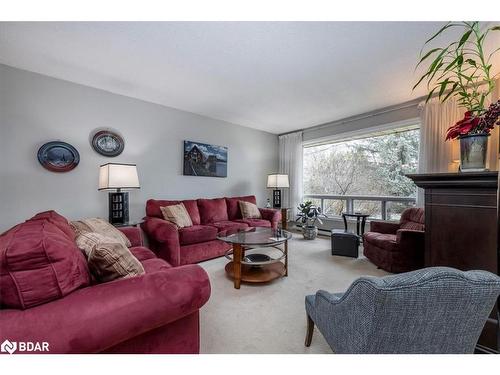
x=47, y=295
x=397, y=247
x=210, y=218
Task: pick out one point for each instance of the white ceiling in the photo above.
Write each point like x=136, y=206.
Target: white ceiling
x=273, y=76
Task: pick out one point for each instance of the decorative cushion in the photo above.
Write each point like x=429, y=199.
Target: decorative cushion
x=100, y=226
x=212, y=210
x=107, y=259
x=87, y=241
x=233, y=207
x=153, y=208
x=261, y=223
x=177, y=214
x=58, y=220
x=226, y=228
x=382, y=240
x=412, y=226
x=38, y=264
x=197, y=234
x=413, y=218
x=249, y=210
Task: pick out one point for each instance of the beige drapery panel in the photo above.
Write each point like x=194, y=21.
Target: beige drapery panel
x=494, y=141
x=290, y=163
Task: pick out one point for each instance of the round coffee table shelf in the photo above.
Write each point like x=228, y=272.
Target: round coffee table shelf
x=260, y=274
x=247, y=265
x=230, y=255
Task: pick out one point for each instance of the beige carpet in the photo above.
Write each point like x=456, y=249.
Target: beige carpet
x=270, y=318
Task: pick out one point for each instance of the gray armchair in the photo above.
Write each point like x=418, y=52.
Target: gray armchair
x=432, y=310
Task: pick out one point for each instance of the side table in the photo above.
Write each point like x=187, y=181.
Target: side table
x=284, y=217
x=128, y=224
x=360, y=220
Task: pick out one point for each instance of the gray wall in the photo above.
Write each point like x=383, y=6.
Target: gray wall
x=35, y=109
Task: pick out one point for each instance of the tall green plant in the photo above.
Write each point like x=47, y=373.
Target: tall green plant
x=461, y=68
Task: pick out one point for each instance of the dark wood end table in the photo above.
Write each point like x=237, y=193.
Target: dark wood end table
x=284, y=217
x=128, y=224
x=360, y=221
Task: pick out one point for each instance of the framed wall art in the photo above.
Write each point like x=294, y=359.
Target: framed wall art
x=201, y=159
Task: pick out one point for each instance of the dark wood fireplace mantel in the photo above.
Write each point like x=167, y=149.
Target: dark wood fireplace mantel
x=456, y=180
x=461, y=228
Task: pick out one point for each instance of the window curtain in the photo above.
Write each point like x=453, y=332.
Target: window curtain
x=290, y=163
x=438, y=155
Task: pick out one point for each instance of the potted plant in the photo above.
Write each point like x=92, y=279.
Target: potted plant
x=462, y=69
x=308, y=215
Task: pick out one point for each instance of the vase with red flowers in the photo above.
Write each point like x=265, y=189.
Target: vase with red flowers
x=473, y=132
x=463, y=70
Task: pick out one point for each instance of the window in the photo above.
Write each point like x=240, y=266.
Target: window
x=359, y=174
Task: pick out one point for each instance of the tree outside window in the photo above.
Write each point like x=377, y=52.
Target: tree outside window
x=375, y=165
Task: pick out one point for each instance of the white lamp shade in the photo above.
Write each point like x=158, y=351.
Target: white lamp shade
x=118, y=176
x=277, y=181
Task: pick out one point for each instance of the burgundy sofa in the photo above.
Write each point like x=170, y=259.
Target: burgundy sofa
x=47, y=295
x=210, y=217
x=397, y=247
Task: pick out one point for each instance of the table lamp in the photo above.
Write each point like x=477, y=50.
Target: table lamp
x=115, y=176
x=277, y=182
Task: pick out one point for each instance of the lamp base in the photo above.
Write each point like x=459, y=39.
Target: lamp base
x=277, y=198
x=118, y=208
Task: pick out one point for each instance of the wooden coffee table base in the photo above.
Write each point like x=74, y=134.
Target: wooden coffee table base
x=260, y=274
x=256, y=271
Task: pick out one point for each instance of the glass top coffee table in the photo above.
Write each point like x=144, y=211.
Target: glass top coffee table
x=258, y=255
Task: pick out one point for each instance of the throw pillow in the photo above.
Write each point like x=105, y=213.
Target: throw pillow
x=87, y=241
x=107, y=259
x=249, y=210
x=177, y=214
x=100, y=226
x=38, y=264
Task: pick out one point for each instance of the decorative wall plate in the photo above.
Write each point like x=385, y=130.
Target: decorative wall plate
x=58, y=156
x=108, y=143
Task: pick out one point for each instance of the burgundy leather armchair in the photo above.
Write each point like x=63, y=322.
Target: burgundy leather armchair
x=397, y=247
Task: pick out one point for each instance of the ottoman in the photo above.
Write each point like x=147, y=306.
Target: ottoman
x=345, y=243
